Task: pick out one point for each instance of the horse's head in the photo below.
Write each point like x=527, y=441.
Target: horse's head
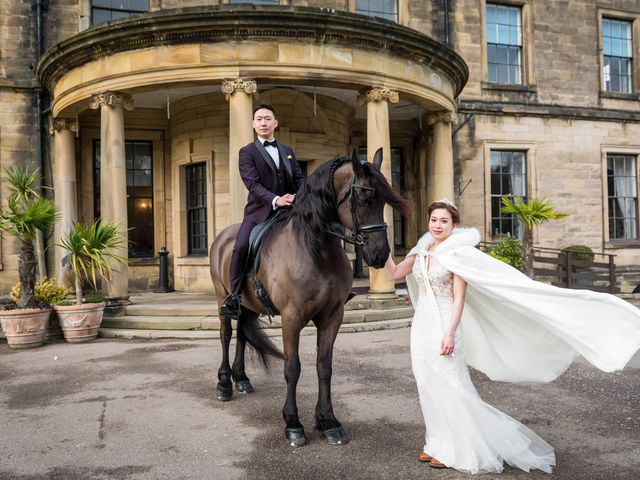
x=362, y=193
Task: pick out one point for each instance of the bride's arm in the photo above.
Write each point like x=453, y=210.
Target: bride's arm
x=459, y=291
x=401, y=270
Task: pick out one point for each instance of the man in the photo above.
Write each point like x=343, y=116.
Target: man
x=272, y=175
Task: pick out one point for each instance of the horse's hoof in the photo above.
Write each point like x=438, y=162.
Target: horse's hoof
x=244, y=386
x=295, y=436
x=335, y=436
x=224, y=394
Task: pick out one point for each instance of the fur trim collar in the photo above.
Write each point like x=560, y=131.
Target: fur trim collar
x=460, y=237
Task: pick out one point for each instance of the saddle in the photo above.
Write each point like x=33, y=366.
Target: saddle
x=253, y=264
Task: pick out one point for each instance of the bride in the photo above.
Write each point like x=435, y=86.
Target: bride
x=471, y=309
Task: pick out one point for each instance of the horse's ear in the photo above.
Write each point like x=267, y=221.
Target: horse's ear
x=355, y=163
x=377, y=158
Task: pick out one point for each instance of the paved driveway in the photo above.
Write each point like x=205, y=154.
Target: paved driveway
x=115, y=409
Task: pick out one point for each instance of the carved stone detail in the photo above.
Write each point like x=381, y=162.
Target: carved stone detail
x=57, y=124
x=230, y=86
x=378, y=94
x=111, y=99
x=442, y=117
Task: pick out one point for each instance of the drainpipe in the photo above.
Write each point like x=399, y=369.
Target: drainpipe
x=40, y=241
x=446, y=23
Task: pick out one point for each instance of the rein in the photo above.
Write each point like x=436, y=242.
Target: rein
x=359, y=232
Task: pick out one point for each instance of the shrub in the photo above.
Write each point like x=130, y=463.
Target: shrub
x=579, y=252
x=94, y=297
x=509, y=251
x=46, y=292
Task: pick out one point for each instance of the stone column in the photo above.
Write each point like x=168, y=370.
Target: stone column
x=238, y=92
x=441, y=175
x=377, y=100
x=64, y=189
x=113, y=178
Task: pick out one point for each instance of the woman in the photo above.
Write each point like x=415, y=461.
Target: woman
x=471, y=309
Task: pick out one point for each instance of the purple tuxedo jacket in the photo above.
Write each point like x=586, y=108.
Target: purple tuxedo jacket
x=260, y=176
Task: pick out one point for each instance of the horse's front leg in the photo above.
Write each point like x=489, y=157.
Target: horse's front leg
x=330, y=428
x=243, y=384
x=294, y=431
x=224, y=390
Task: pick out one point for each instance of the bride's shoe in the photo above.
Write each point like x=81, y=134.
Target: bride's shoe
x=436, y=464
x=424, y=457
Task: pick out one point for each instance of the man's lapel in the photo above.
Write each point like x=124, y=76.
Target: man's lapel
x=284, y=160
x=266, y=156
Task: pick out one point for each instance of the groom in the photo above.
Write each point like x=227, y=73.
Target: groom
x=272, y=175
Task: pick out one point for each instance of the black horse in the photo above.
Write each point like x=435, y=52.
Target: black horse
x=308, y=276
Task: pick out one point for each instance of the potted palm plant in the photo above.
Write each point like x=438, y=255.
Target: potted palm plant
x=91, y=251
x=27, y=212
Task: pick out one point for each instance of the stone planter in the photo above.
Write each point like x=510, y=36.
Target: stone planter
x=25, y=327
x=80, y=323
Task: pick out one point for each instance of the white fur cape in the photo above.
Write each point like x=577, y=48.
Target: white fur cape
x=517, y=329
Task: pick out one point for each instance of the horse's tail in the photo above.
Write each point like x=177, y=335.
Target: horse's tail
x=258, y=339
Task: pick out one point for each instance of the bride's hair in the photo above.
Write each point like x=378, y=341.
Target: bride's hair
x=447, y=205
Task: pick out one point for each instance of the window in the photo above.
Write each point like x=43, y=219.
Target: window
x=504, y=44
x=508, y=179
x=106, y=10
x=378, y=8
x=197, y=209
x=257, y=2
x=397, y=180
x=139, y=174
x=617, y=55
x=622, y=193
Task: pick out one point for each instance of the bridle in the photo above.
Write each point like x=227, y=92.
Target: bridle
x=359, y=232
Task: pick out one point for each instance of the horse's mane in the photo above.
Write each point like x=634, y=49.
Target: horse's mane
x=314, y=213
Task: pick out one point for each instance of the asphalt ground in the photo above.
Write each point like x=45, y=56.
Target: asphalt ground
x=122, y=409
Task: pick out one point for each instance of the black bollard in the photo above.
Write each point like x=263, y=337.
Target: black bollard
x=163, y=285
x=357, y=267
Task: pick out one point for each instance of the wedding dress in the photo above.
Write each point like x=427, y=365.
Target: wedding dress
x=512, y=329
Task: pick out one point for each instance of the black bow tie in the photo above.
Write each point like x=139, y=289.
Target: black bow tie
x=270, y=144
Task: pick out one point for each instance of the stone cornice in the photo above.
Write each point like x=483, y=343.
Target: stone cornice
x=227, y=22
x=57, y=124
x=230, y=86
x=547, y=111
x=378, y=94
x=110, y=99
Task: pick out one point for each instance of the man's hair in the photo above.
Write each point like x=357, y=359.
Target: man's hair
x=264, y=105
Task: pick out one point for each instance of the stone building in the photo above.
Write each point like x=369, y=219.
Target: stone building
x=136, y=109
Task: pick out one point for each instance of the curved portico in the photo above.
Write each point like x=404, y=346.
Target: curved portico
x=200, y=70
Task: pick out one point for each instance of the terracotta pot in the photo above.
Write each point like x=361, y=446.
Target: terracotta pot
x=80, y=323
x=25, y=327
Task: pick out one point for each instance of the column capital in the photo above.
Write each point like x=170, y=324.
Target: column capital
x=442, y=117
x=231, y=86
x=111, y=99
x=57, y=124
x=378, y=94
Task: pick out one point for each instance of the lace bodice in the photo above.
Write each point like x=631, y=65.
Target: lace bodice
x=440, y=279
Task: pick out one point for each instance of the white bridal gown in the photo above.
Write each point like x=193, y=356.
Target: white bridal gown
x=508, y=331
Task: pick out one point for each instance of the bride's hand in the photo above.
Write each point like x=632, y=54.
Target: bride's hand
x=446, y=344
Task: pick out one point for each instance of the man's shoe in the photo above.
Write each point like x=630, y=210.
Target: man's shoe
x=231, y=306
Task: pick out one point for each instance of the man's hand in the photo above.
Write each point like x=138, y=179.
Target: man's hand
x=286, y=200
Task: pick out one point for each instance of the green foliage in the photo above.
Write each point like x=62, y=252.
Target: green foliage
x=91, y=252
x=535, y=211
x=94, y=297
x=579, y=252
x=509, y=251
x=46, y=292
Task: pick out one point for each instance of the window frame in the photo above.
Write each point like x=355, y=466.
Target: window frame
x=634, y=19
x=529, y=150
x=129, y=12
x=626, y=150
x=527, y=70
x=204, y=207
